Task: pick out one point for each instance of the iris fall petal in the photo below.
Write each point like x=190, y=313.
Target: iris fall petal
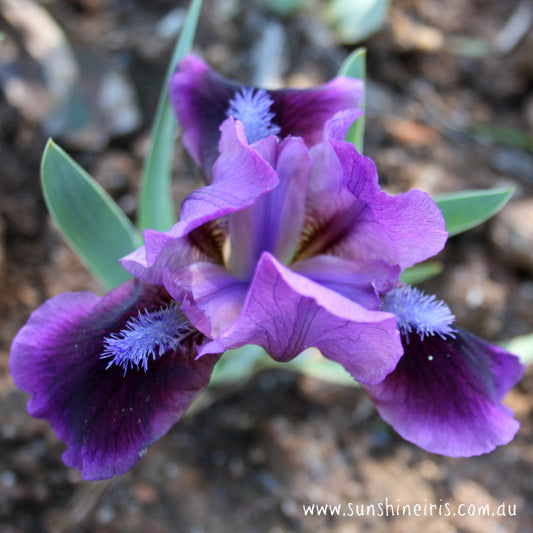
x=445, y=394
x=106, y=417
x=286, y=313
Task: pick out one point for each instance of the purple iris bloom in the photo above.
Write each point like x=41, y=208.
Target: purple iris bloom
x=291, y=246
x=112, y=374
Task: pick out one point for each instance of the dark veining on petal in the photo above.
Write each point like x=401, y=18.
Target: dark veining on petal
x=209, y=240
x=321, y=237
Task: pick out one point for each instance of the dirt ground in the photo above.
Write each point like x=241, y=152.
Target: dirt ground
x=450, y=107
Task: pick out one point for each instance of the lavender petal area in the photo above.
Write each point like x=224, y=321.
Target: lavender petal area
x=275, y=221
x=446, y=395
x=286, y=313
x=210, y=296
x=107, y=417
x=160, y=250
x=360, y=281
x=241, y=175
x=358, y=220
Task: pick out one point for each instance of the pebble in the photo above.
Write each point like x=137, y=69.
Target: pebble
x=514, y=162
x=512, y=233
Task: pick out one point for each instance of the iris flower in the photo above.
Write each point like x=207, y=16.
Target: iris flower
x=112, y=374
x=291, y=247
x=290, y=244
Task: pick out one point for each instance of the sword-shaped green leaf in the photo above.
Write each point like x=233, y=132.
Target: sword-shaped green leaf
x=421, y=272
x=91, y=222
x=354, y=66
x=156, y=210
x=466, y=209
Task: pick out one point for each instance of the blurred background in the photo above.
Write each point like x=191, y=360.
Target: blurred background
x=449, y=107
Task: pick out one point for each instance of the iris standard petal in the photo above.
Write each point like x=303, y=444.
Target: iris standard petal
x=286, y=313
x=411, y=222
x=241, y=175
x=106, y=417
x=336, y=128
x=445, y=394
x=334, y=204
x=274, y=222
x=354, y=219
x=201, y=99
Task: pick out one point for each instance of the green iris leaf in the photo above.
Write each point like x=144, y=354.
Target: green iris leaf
x=92, y=223
x=354, y=66
x=156, y=210
x=467, y=209
x=421, y=272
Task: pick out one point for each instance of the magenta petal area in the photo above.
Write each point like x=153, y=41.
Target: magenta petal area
x=286, y=313
x=445, y=394
x=108, y=419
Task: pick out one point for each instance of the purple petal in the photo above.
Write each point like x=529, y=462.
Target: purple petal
x=160, y=251
x=445, y=395
x=360, y=281
x=286, y=313
x=210, y=297
x=411, y=222
x=107, y=419
x=357, y=220
x=337, y=127
x=200, y=98
x=303, y=113
x=241, y=175
x=274, y=222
